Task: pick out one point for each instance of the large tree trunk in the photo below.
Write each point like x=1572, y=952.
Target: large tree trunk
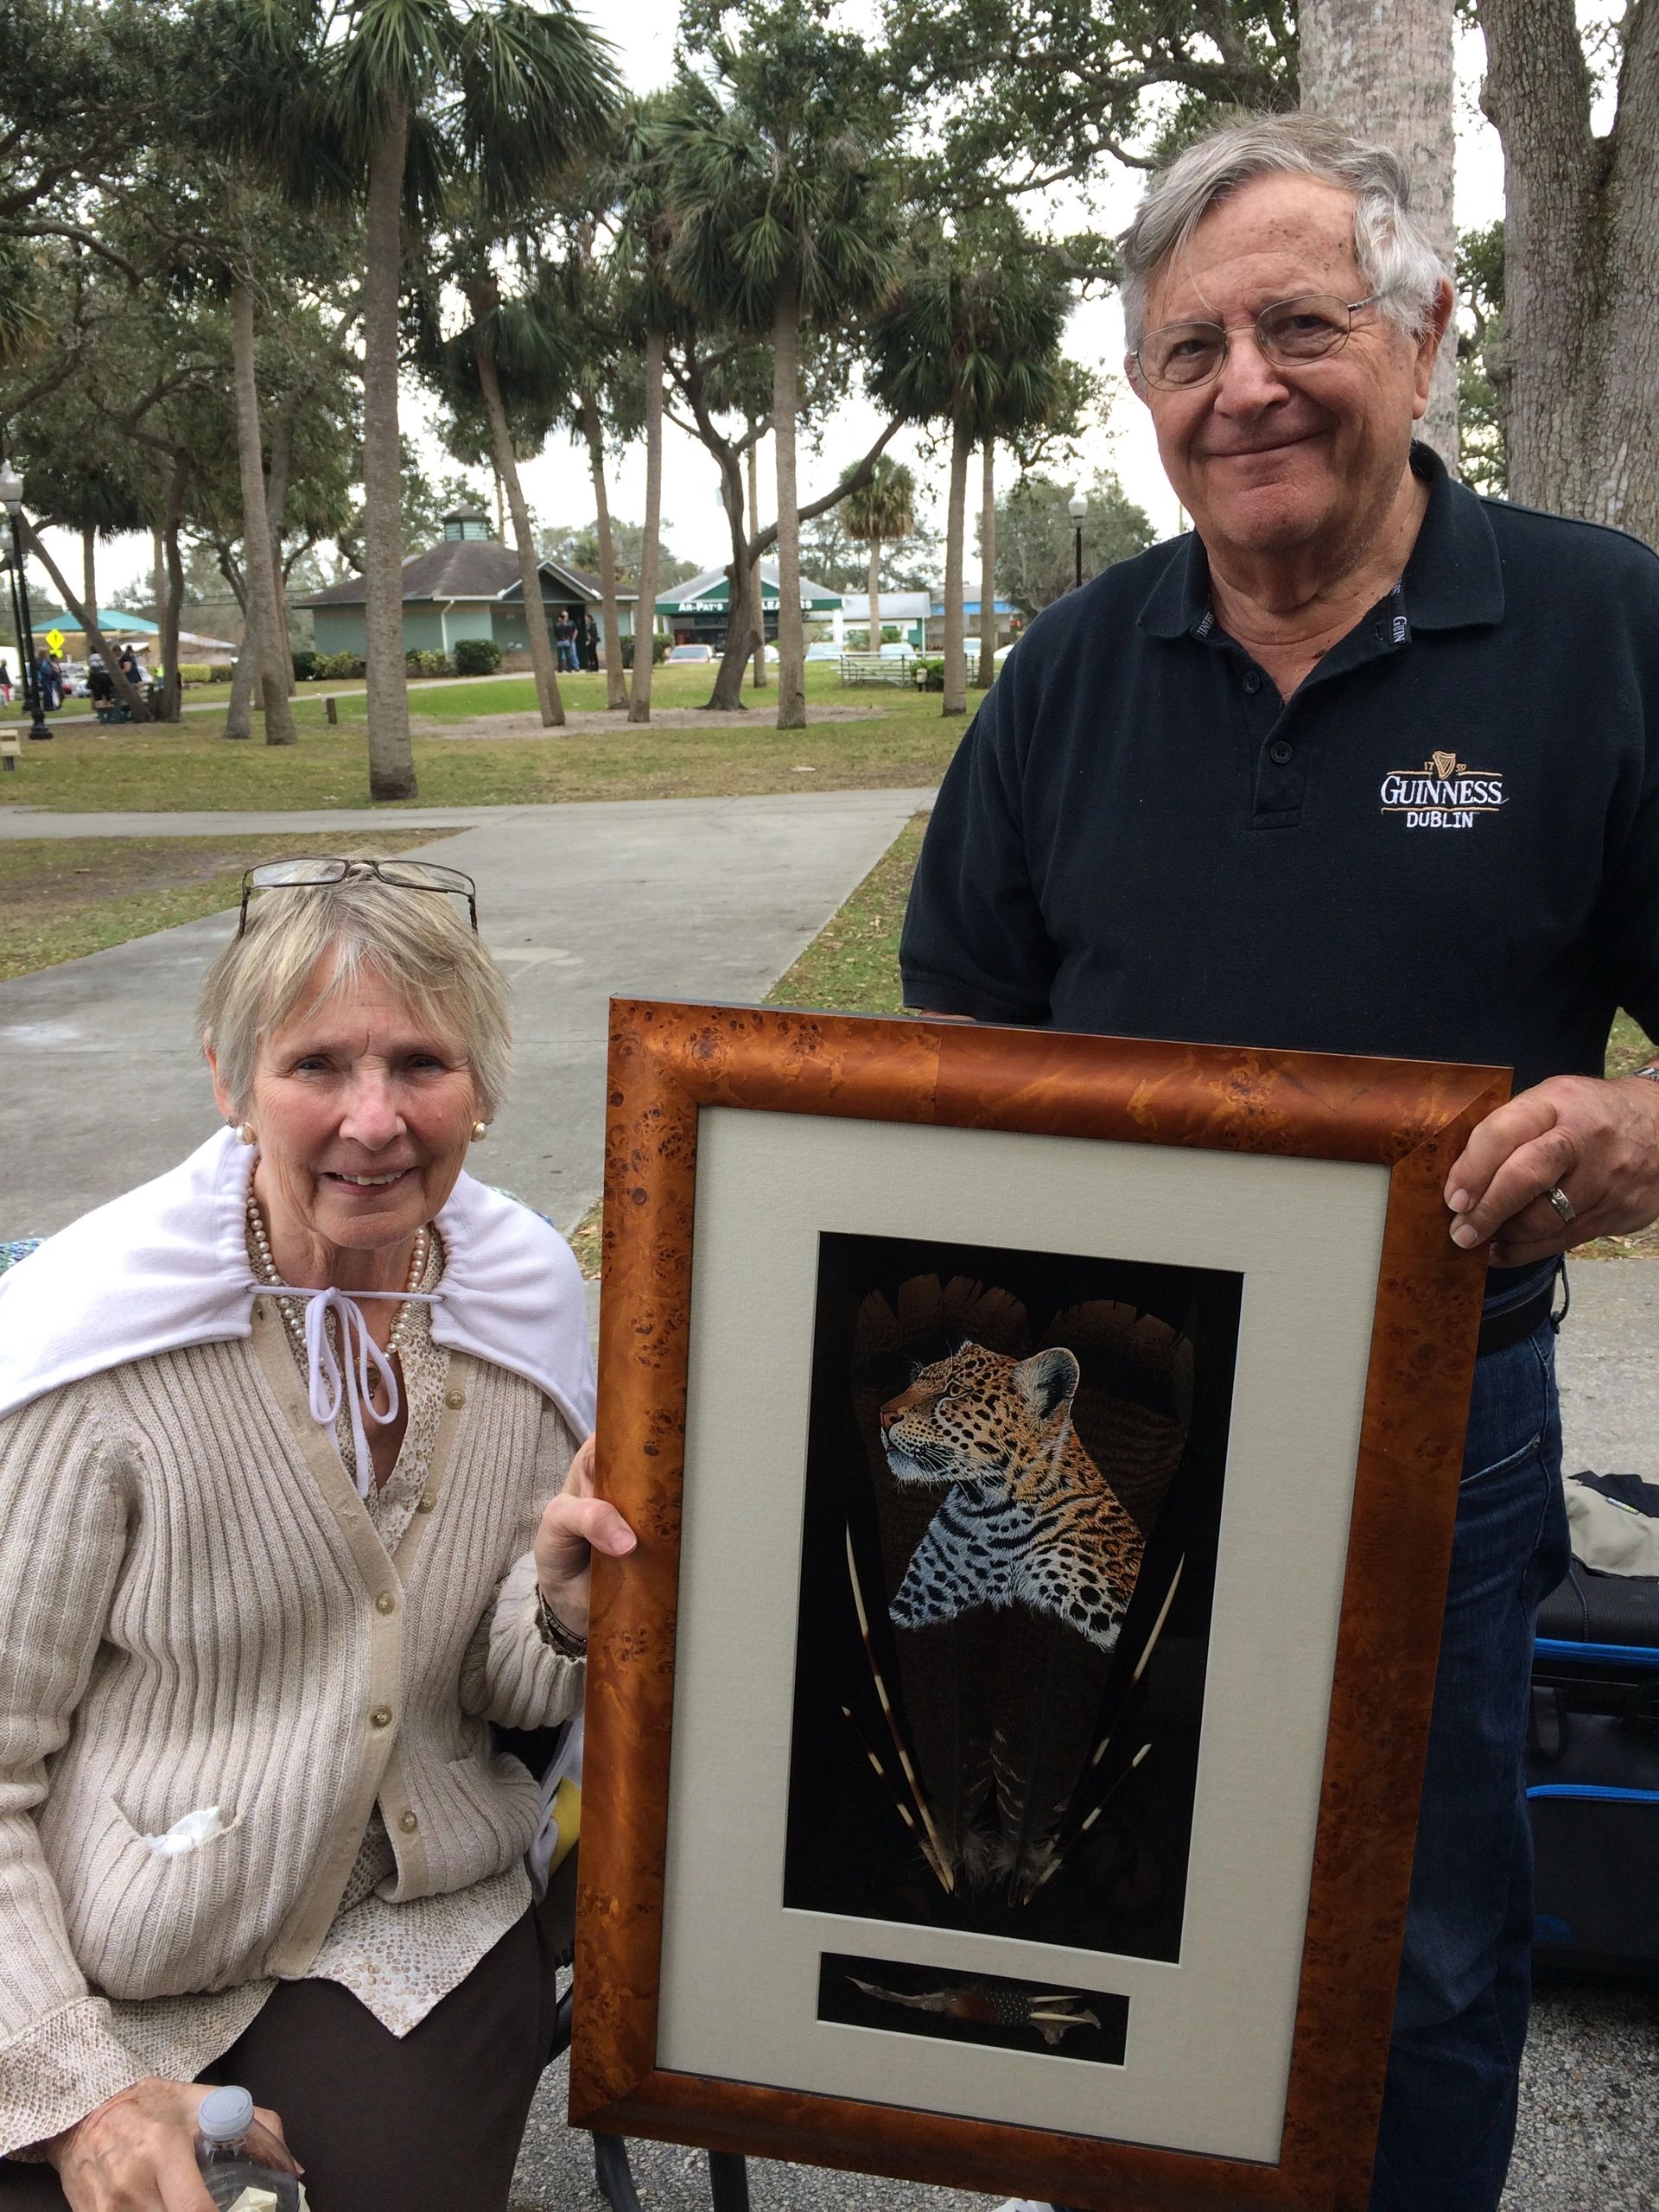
x=1580, y=344
x=391, y=756
x=89, y=567
x=86, y=620
x=1383, y=70
x=157, y=572
x=173, y=603
x=955, y=628
x=988, y=568
x=270, y=643
x=645, y=620
x=616, y=681
x=757, y=604
x=785, y=409
x=483, y=300
x=875, y=595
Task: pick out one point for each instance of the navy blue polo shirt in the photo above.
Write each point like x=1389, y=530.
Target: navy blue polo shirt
x=1444, y=846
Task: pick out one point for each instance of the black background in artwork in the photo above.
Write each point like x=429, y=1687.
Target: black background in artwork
x=848, y=1850
x=840, y=1998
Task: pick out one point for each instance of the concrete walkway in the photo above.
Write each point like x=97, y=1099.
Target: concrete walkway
x=708, y=899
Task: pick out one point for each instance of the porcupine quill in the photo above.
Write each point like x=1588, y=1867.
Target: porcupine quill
x=886, y=1779
x=1066, y=1844
x=933, y=1850
x=1051, y=2012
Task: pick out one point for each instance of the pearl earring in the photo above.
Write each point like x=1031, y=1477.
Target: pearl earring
x=245, y=1131
x=480, y=1130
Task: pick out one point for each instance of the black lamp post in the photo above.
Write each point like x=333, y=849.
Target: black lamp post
x=1077, y=507
x=11, y=498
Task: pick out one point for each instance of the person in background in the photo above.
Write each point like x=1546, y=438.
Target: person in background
x=295, y=1510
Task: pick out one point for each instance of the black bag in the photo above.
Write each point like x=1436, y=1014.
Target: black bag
x=1592, y=1762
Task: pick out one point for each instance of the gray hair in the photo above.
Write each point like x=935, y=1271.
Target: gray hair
x=1395, y=255
x=415, y=940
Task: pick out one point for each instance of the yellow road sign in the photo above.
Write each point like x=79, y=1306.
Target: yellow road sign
x=54, y=641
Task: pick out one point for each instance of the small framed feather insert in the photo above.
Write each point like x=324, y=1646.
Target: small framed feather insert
x=1004, y=1742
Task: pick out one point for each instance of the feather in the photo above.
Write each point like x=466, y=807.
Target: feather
x=1004, y=1706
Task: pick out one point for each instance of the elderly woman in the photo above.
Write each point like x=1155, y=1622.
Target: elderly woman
x=292, y=1509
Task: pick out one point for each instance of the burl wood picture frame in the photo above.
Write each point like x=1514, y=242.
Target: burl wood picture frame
x=743, y=1146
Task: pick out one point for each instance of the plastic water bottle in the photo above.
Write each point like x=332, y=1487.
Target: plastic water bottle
x=228, y=2165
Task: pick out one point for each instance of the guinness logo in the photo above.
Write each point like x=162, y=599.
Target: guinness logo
x=1444, y=793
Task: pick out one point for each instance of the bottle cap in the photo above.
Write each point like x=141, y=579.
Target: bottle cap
x=224, y=2115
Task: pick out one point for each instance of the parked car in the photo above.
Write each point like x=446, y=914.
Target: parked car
x=679, y=653
x=825, y=652
x=897, y=650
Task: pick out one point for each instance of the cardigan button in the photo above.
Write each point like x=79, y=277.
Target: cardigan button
x=381, y=1717
x=427, y=1501
x=455, y=1398
x=408, y=1822
x=386, y=1602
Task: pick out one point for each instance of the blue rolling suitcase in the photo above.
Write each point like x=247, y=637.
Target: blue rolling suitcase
x=1593, y=1761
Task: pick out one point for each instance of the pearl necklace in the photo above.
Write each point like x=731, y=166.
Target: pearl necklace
x=293, y=1309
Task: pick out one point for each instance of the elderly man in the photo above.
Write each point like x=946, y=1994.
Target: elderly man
x=1365, y=764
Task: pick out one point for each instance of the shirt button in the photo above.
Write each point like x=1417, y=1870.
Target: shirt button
x=427, y=1501
x=408, y=1822
x=381, y=1717
x=1280, y=751
x=1252, y=682
x=386, y=1602
x=455, y=1398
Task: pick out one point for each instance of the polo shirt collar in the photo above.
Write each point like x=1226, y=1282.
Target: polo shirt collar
x=1453, y=580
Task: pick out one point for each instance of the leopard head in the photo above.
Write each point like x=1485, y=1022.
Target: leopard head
x=970, y=1417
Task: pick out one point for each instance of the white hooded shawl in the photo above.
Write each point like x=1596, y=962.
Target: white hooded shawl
x=166, y=1265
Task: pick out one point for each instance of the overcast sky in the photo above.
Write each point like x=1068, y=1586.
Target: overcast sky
x=557, y=484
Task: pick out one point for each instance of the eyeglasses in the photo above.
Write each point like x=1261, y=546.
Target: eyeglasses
x=399, y=875
x=1291, y=333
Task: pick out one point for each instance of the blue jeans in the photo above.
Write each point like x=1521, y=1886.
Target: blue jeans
x=1465, y=1980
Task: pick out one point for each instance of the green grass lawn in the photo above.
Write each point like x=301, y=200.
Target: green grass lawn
x=897, y=738
x=63, y=897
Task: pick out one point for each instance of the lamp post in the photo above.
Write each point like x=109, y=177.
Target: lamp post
x=11, y=498
x=1077, y=507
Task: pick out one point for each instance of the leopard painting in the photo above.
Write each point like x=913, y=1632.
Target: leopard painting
x=1028, y=1518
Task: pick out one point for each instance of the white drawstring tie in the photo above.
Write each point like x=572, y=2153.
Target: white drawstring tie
x=330, y=1381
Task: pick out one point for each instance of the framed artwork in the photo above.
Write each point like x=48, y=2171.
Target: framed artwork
x=1004, y=1744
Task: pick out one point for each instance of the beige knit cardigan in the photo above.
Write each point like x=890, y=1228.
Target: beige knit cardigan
x=195, y=1609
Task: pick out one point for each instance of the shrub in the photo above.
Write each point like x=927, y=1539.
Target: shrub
x=477, y=657
x=333, y=666
x=659, y=646
x=196, y=672
x=428, y=663
x=305, y=664
x=930, y=674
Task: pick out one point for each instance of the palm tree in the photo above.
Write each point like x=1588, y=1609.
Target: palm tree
x=515, y=366
x=784, y=222
x=644, y=314
x=971, y=339
x=403, y=103
x=266, y=641
x=884, y=512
